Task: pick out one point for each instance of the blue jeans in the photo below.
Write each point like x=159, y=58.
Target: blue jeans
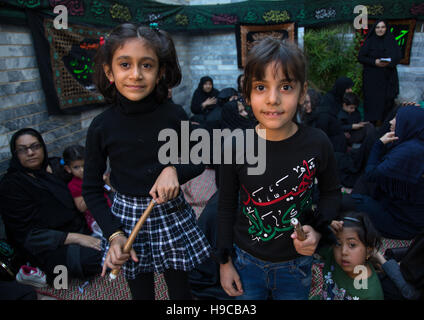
x=289, y=280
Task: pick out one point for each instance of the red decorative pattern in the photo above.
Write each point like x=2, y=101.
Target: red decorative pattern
x=199, y=190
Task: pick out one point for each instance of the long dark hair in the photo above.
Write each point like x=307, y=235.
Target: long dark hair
x=158, y=40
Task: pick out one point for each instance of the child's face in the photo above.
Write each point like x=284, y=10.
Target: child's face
x=274, y=100
x=349, y=108
x=207, y=86
x=134, y=69
x=76, y=168
x=349, y=251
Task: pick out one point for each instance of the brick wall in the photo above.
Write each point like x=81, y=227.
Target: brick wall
x=213, y=54
x=411, y=77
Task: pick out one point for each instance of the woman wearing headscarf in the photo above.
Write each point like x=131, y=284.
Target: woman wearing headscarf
x=204, y=99
x=236, y=113
x=379, y=79
x=41, y=220
x=334, y=98
x=307, y=114
x=395, y=165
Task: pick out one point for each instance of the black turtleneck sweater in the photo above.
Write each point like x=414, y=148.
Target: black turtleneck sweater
x=127, y=134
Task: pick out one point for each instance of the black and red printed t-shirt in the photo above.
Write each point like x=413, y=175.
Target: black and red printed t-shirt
x=260, y=222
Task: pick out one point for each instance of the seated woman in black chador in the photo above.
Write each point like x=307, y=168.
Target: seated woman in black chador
x=41, y=220
x=307, y=113
x=204, y=99
x=395, y=166
x=236, y=113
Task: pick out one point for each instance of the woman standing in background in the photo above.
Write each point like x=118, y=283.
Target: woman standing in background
x=380, y=78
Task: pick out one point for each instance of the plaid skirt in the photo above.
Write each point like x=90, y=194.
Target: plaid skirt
x=168, y=239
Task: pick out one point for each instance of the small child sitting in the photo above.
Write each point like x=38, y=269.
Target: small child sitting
x=347, y=273
x=350, y=118
x=73, y=157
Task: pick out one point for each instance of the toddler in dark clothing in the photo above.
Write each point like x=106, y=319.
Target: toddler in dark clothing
x=260, y=255
x=350, y=118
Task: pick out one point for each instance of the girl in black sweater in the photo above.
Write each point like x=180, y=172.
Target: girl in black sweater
x=134, y=69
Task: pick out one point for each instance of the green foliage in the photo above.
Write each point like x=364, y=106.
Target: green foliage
x=331, y=53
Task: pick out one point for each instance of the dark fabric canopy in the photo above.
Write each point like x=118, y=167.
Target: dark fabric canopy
x=108, y=13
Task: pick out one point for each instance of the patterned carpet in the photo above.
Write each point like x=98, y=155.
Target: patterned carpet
x=102, y=289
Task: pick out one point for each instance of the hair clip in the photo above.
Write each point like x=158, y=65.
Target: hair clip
x=62, y=162
x=154, y=26
x=101, y=41
x=352, y=219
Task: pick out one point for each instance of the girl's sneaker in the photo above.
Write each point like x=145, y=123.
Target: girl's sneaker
x=31, y=276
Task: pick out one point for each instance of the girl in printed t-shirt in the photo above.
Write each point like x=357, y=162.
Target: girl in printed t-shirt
x=259, y=253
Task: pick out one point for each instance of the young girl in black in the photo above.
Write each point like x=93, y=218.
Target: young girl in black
x=134, y=69
x=259, y=253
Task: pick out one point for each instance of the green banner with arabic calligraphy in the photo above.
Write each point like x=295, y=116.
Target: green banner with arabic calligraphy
x=66, y=58
x=108, y=13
